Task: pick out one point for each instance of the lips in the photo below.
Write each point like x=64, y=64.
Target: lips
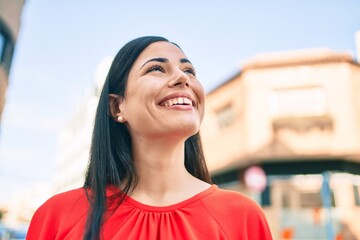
x=177, y=99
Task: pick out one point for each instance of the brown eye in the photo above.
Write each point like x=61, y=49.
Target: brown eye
x=155, y=68
x=190, y=71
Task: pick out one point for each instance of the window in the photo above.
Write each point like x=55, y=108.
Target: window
x=300, y=109
x=6, y=47
x=225, y=116
x=303, y=101
x=357, y=195
x=285, y=199
x=2, y=45
x=310, y=200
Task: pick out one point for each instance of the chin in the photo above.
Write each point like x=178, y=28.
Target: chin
x=188, y=131
x=183, y=129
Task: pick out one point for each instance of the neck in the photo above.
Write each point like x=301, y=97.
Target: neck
x=160, y=164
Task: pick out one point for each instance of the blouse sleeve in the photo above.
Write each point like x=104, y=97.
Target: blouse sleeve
x=238, y=216
x=257, y=227
x=61, y=214
x=43, y=224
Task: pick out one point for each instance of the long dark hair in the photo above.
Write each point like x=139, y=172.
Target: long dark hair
x=111, y=153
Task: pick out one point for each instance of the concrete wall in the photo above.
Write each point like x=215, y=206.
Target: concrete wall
x=305, y=109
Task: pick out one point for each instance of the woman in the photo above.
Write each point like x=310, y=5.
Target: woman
x=147, y=177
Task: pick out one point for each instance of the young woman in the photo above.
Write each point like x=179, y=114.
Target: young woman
x=147, y=177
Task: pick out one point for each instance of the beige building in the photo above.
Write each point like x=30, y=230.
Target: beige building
x=10, y=14
x=296, y=115
x=71, y=159
x=74, y=141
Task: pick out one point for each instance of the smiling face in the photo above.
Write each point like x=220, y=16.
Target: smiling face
x=163, y=96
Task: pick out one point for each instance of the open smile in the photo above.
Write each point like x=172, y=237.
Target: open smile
x=177, y=101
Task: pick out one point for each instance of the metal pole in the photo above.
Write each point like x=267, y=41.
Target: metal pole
x=326, y=198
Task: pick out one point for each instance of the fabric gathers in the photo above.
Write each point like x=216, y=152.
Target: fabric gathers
x=214, y=214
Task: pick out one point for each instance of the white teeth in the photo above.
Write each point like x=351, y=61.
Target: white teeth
x=179, y=100
x=187, y=101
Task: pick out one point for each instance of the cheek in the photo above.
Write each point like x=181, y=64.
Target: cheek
x=200, y=93
x=138, y=102
x=202, y=106
x=131, y=104
x=199, y=90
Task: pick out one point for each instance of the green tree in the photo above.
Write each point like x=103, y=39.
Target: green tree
x=2, y=212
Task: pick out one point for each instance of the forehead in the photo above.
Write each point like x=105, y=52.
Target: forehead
x=161, y=50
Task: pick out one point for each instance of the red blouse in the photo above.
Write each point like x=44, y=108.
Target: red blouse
x=212, y=214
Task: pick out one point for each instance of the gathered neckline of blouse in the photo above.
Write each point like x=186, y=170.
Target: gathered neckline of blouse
x=170, y=207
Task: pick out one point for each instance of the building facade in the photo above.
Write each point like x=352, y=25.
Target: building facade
x=10, y=14
x=74, y=141
x=296, y=116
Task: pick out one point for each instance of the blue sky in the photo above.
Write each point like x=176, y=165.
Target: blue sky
x=61, y=43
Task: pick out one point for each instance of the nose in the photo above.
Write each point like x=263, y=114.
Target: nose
x=179, y=79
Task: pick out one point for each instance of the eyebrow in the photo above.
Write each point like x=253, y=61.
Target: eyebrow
x=185, y=60
x=165, y=60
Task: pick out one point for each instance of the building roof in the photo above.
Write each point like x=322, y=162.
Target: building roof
x=297, y=57
x=291, y=58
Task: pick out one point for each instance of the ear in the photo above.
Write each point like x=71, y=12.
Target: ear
x=115, y=102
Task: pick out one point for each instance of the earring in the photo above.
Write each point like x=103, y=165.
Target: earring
x=120, y=119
